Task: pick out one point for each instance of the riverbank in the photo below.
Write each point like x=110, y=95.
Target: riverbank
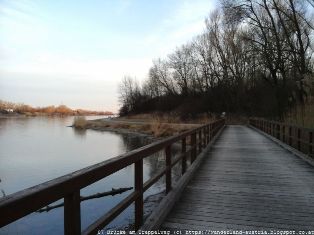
x=153, y=126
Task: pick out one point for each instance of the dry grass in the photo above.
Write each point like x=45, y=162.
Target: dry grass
x=158, y=125
x=170, y=118
x=80, y=123
x=161, y=129
x=302, y=116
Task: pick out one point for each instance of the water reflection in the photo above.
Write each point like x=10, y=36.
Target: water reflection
x=38, y=149
x=80, y=132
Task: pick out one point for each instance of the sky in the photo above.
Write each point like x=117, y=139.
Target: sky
x=75, y=52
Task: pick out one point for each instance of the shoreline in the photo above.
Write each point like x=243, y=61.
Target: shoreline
x=124, y=132
x=156, y=129
x=16, y=115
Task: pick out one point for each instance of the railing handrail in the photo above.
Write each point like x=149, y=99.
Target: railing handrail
x=283, y=123
x=300, y=138
x=22, y=203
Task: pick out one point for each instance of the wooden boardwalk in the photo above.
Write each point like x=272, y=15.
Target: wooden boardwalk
x=247, y=182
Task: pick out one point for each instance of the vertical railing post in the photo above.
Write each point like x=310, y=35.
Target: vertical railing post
x=193, y=146
x=204, y=137
x=310, y=143
x=183, y=151
x=72, y=213
x=199, y=141
x=168, y=169
x=278, y=131
x=299, y=139
x=284, y=133
x=207, y=134
x=138, y=186
x=290, y=137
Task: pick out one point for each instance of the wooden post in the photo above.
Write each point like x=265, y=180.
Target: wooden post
x=204, y=137
x=284, y=133
x=72, y=214
x=199, y=141
x=208, y=134
x=193, y=145
x=290, y=137
x=310, y=142
x=270, y=128
x=183, y=151
x=138, y=186
x=299, y=139
x=168, y=169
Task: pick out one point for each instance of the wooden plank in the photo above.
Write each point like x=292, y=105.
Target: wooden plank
x=159, y=214
x=241, y=220
x=233, y=185
x=247, y=207
x=302, y=216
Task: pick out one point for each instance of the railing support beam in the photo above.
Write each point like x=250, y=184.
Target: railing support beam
x=138, y=185
x=183, y=151
x=72, y=214
x=193, y=145
x=168, y=169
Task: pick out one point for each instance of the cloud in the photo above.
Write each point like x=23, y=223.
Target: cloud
x=185, y=22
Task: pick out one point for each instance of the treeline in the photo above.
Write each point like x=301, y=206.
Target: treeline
x=254, y=58
x=10, y=107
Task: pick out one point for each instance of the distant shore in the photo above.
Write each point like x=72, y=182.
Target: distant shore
x=14, y=114
x=10, y=109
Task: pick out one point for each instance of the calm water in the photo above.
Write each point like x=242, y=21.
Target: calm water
x=34, y=150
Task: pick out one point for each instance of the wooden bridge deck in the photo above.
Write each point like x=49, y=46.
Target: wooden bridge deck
x=247, y=182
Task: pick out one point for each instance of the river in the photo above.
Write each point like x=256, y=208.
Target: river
x=37, y=149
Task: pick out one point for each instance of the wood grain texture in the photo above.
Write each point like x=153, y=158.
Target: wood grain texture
x=246, y=182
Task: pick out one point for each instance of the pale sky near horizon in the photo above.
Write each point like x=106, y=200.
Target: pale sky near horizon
x=75, y=52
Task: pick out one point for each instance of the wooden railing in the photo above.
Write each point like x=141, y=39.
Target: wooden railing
x=297, y=137
x=22, y=203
